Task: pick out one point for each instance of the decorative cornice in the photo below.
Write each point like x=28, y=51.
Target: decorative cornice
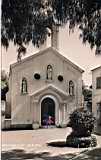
x=52, y=88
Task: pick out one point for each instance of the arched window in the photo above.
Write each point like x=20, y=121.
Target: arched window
x=49, y=73
x=71, y=88
x=24, y=86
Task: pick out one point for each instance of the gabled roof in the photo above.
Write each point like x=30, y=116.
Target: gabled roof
x=95, y=68
x=43, y=52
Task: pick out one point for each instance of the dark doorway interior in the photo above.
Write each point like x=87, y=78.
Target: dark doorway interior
x=48, y=112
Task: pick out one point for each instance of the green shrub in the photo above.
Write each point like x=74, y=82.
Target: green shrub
x=82, y=123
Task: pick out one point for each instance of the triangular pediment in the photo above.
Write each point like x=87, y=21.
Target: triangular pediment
x=52, y=50
x=50, y=89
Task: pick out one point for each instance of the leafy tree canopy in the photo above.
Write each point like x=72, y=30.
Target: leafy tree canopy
x=4, y=84
x=25, y=21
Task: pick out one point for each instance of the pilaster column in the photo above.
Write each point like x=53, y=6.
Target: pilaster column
x=34, y=111
x=67, y=113
x=35, y=115
x=64, y=113
x=60, y=113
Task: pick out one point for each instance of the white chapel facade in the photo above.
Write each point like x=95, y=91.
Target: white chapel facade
x=40, y=78
x=44, y=83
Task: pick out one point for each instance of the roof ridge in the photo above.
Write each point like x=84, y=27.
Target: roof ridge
x=96, y=68
x=42, y=52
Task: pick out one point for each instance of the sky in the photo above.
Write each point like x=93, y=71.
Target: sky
x=69, y=45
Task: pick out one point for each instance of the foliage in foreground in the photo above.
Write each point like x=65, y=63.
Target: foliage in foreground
x=82, y=123
x=25, y=21
x=4, y=85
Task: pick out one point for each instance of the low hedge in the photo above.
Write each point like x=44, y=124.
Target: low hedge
x=81, y=142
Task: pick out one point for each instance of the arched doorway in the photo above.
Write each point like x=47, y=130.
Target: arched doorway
x=47, y=110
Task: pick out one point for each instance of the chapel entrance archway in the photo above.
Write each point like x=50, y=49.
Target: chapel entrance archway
x=47, y=110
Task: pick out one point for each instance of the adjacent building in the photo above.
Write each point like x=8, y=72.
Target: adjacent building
x=96, y=97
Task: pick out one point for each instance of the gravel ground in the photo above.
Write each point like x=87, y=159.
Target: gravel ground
x=32, y=145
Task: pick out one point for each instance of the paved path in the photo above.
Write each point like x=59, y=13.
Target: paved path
x=32, y=145
x=91, y=154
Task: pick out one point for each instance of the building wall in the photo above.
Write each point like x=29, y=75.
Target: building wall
x=96, y=94
x=96, y=98
x=20, y=104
